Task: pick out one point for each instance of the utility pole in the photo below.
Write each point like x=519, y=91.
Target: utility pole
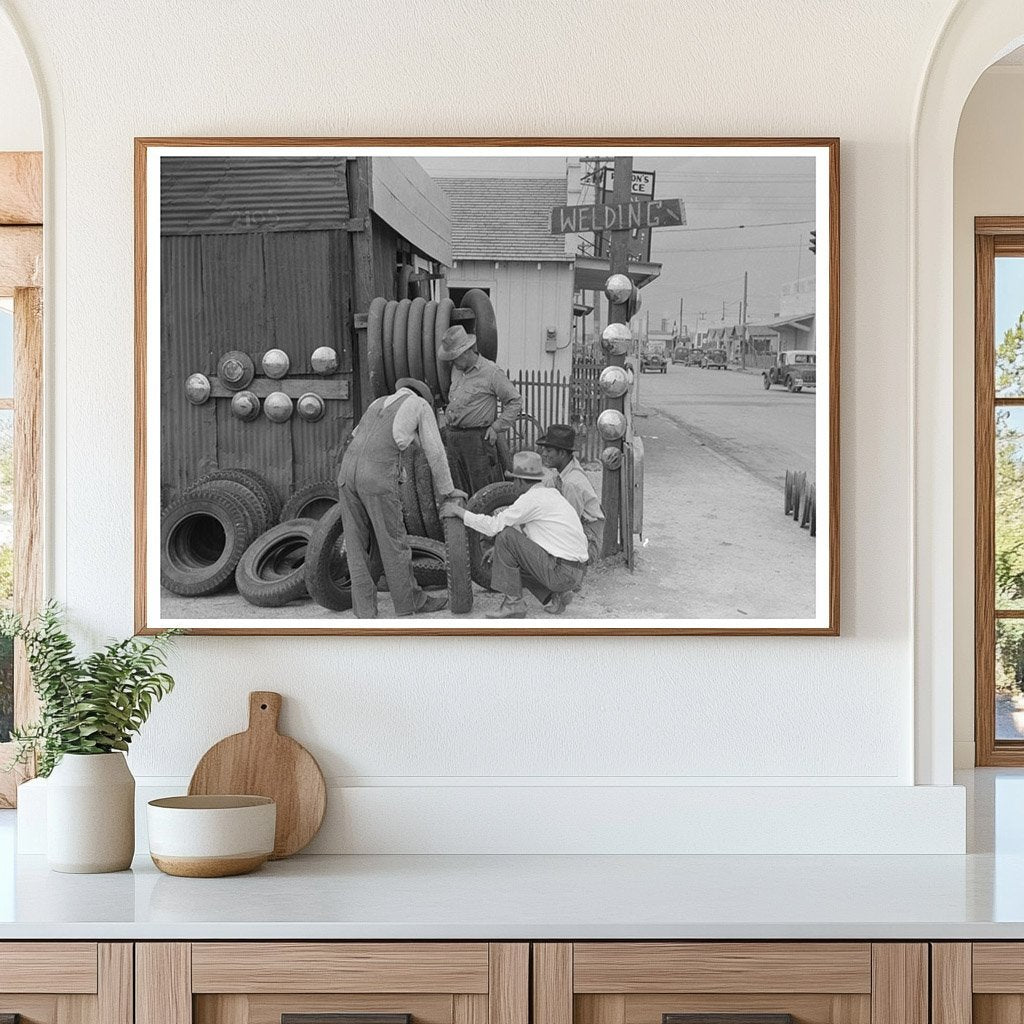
x=617, y=313
x=743, y=323
x=680, y=331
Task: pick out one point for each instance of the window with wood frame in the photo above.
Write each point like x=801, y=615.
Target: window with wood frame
x=21, y=365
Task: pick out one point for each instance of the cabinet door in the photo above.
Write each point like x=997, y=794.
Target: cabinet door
x=730, y=983
x=979, y=982
x=332, y=983
x=65, y=983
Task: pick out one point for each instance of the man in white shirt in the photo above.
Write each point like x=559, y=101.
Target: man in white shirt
x=371, y=506
x=539, y=543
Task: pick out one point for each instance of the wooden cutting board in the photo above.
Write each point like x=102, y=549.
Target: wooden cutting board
x=262, y=762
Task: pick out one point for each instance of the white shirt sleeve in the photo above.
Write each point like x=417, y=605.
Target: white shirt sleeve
x=518, y=513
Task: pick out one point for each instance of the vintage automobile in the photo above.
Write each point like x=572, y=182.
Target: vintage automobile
x=681, y=354
x=695, y=357
x=715, y=359
x=795, y=369
x=653, y=362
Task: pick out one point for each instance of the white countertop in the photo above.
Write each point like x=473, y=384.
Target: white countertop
x=516, y=897
x=978, y=896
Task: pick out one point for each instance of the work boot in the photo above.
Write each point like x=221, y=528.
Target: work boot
x=433, y=603
x=509, y=609
x=557, y=603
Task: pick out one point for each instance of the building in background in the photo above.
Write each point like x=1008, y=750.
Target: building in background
x=794, y=324
x=502, y=243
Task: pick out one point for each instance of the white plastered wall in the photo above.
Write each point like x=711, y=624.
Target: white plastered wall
x=561, y=734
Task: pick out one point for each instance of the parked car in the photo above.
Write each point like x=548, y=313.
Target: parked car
x=715, y=359
x=695, y=357
x=681, y=354
x=653, y=362
x=792, y=368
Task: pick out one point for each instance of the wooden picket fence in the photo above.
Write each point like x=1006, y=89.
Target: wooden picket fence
x=551, y=397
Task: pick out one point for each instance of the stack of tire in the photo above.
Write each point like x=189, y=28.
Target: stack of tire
x=403, y=338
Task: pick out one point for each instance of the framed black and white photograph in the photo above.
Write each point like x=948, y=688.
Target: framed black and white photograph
x=444, y=386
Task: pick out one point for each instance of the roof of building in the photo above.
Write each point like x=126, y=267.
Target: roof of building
x=504, y=218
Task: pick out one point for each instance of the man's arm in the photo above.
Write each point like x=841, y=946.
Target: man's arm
x=510, y=400
x=520, y=511
x=433, y=448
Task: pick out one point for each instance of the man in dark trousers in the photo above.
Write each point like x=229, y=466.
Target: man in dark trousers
x=538, y=543
x=482, y=404
x=371, y=504
x=557, y=451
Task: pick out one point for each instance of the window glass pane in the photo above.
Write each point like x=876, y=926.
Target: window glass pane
x=1009, y=679
x=1009, y=512
x=1009, y=321
x=6, y=353
x=6, y=567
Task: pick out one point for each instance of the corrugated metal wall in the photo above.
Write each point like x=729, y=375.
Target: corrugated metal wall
x=223, y=288
x=237, y=195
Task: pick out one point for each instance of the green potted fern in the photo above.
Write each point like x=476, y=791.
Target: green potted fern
x=89, y=709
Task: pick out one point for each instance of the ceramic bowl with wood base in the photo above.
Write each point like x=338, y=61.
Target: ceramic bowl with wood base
x=211, y=836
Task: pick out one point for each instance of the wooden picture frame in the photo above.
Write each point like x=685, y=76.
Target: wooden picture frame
x=824, y=153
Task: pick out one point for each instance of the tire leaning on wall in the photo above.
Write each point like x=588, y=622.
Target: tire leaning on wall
x=326, y=568
x=272, y=572
x=311, y=501
x=259, y=521
x=202, y=539
x=486, y=325
x=256, y=493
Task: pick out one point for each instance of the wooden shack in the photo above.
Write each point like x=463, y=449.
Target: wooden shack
x=281, y=252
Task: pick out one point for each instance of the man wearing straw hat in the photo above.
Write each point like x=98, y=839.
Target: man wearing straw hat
x=538, y=543
x=371, y=506
x=482, y=404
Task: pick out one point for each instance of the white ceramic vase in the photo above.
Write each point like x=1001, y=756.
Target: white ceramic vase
x=90, y=814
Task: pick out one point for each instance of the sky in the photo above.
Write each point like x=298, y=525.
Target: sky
x=703, y=262
x=1009, y=292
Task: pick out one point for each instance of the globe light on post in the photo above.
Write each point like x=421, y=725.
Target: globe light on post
x=616, y=339
x=618, y=288
x=614, y=381
x=611, y=425
x=277, y=407
x=276, y=363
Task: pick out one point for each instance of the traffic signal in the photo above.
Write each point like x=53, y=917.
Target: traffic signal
x=814, y=242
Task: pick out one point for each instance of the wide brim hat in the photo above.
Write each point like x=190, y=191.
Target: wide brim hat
x=415, y=385
x=456, y=340
x=526, y=466
x=558, y=435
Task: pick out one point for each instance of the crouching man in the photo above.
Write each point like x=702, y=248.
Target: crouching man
x=539, y=543
x=557, y=451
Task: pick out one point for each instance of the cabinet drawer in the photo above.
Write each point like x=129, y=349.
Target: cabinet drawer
x=66, y=967
x=66, y=982
x=730, y=983
x=332, y=983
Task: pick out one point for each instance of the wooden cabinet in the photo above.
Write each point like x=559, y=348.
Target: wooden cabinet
x=751, y=982
x=978, y=983
x=310, y=982
x=66, y=982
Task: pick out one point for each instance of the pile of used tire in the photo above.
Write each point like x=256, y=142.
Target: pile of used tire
x=230, y=528
x=403, y=338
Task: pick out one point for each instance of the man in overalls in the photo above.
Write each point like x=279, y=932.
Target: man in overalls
x=371, y=504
